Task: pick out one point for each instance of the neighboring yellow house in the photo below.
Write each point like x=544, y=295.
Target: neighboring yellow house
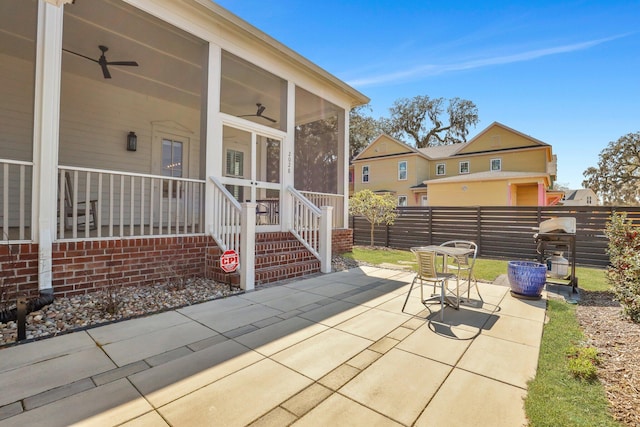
x=498, y=167
x=391, y=166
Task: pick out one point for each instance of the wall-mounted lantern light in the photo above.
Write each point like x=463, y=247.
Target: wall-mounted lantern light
x=132, y=142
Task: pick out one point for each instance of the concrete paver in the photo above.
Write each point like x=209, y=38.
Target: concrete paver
x=398, y=385
x=334, y=349
x=467, y=399
x=320, y=354
x=238, y=399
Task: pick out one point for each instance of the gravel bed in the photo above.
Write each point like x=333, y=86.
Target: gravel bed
x=82, y=311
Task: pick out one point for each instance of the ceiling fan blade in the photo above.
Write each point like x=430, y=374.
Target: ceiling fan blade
x=268, y=118
x=105, y=70
x=80, y=55
x=129, y=63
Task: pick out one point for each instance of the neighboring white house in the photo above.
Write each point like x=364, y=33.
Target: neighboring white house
x=581, y=197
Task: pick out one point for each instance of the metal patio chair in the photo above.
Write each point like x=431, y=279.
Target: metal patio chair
x=427, y=273
x=463, y=265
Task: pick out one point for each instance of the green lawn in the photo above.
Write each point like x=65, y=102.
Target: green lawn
x=555, y=397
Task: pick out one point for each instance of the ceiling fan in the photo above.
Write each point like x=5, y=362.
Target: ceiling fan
x=259, y=112
x=102, y=61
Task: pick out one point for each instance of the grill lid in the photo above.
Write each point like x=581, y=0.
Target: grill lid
x=563, y=225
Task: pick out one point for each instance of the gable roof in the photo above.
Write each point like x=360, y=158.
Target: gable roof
x=524, y=141
x=385, y=146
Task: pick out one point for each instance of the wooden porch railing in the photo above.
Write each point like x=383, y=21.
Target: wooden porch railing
x=226, y=217
x=94, y=203
x=15, y=199
x=327, y=199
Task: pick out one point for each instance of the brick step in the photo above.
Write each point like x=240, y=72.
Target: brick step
x=289, y=271
x=279, y=256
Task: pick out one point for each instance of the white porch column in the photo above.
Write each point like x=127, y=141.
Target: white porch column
x=46, y=135
x=345, y=176
x=248, y=246
x=288, y=161
x=325, y=238
x=213, y=165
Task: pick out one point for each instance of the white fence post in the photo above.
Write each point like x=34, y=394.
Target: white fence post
x=248, y=246
x=325, y=239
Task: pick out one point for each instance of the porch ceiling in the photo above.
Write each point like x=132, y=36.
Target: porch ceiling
x=170, y=60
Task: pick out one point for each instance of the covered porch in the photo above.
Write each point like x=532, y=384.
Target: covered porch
x=190, y=128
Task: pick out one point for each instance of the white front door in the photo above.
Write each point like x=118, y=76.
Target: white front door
x=252, y=172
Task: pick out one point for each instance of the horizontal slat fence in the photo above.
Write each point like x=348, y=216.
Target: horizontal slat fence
x=501, y=232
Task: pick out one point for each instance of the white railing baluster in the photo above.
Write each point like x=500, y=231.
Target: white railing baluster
x=121, y=206
x=111, y=189
x=62, y=216
x=151, y=205
x=142, y=200
x=5, y=202
x=132, y=184
x=99, y=207
x=22, y=191
x=74, y=207
x=87, y=205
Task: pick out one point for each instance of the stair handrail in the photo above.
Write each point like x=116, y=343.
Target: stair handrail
x=305, y=221
x=227, y=212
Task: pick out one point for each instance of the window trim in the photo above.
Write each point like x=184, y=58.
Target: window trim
x=362, y=176
x=499, y=160
x=406, y=200
x=444, y=169
x=406, y=170
x=460, y=167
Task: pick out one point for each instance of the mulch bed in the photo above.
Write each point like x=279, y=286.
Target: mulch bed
x=618, y=342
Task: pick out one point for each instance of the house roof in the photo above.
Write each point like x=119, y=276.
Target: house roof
x=440, y=151
x=235, y=21
x=366, y=152
x=466, y=148
x=487, y=176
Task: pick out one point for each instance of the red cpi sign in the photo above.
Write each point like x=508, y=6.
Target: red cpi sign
x=229, y=261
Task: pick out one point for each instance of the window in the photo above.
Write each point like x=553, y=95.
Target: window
x=365, y=174
x=588, y=200
x=172, y=152
x=235, y=160
x=402, y=200
x=496, y=165
x=402, y=170
x=440, y=169
x=464, y=167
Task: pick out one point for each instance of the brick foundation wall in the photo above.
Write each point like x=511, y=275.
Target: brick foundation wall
x=341, y=241
x=18, y=270
x=88, y=266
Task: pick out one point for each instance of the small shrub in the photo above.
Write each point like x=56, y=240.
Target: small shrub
x=624, y=272
x=583, y=362
x=8, y=285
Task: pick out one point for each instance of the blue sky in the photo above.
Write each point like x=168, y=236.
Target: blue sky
x=566, y=73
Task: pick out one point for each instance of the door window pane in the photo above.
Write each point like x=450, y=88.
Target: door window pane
x=171, y=158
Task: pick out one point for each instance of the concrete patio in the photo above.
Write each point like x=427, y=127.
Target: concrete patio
x=329, y=350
